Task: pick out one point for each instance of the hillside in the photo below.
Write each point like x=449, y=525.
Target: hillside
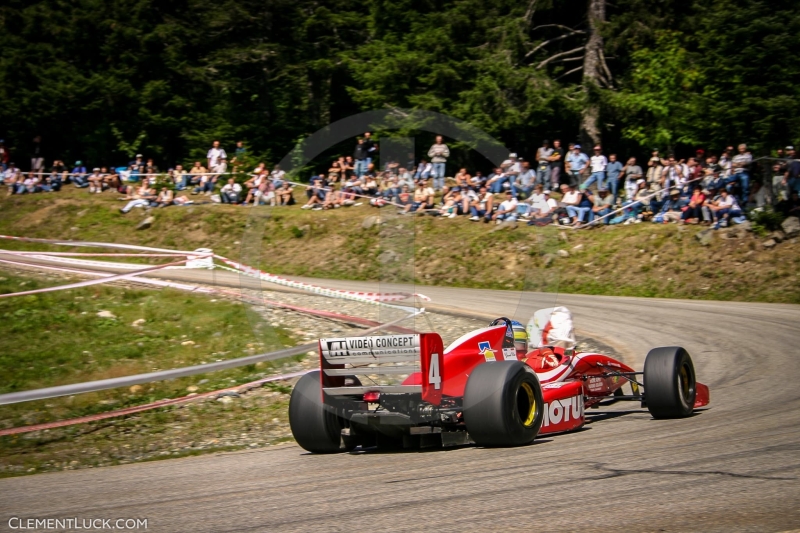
x=638, y=260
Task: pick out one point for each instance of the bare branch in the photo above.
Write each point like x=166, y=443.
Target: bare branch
x=609, y=79
x=529, y=12
x=576, y=69
x=568, y=59
x=557, y=26
x=549, y=41
x=560, y=54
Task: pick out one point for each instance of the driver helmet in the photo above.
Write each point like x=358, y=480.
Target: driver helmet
x=520, y=337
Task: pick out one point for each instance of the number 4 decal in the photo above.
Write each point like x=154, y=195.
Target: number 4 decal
x=433, y=372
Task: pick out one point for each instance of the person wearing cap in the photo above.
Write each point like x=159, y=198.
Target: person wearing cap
x=602, y=204
x=598, y=164
x=670, y=209
x=95, y=180
x=543, y=155
x=576, y=163
x=439, y=152
x=78, y=175
x=655, y=167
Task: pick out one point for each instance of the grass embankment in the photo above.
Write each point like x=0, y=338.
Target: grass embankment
x=58, y=338
x=638, y=260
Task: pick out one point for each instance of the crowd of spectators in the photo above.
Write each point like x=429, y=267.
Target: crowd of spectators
x=562, y=185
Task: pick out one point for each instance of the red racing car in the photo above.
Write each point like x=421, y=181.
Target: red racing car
x=409, y=391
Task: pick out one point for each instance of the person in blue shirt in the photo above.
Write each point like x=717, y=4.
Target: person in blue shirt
x=613, y=171
x=576, y=164
x=78, y=175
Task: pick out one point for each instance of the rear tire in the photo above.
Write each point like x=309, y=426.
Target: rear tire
x=503, y=404
x=315, y=426
x=669, y=382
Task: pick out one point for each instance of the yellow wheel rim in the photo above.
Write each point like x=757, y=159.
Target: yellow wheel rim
x=532, y=402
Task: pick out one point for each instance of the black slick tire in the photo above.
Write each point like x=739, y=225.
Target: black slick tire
x=316, y=427
x=503, y=404
x=669, y=382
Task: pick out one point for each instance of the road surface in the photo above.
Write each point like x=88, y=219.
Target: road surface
x=732, y=467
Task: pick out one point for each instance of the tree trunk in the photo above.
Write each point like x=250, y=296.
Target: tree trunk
x=595, y=73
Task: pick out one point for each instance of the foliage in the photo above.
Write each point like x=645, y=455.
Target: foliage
x=101, y=79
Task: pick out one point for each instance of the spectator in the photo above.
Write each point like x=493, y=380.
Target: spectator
x=164, y=198
x=791, y=178
x=25, y=184
x=439, y=153
x=9, y=172
x=111, y=179
x=725, y=163
x=333, y=200
x=527, y=178
x=631, y=210
x=263, y=195
x=740, y=166
x=142, y=198
x=222, y=167
x=95, y=180
x=543, y=155
x=511, y=167
x=693, y=213
x=238, y=155
x=196, y=175
x=316, y=191
x=372, y=148
x=654, y=169
x=335, y=172
x=213, y=156
x=598, y=164
x=78, y=175
x=4, y=156
x=632, y=173
x=423, y=197
x=556, y=160
x=231, y=192
x=507, y=210
x=277, y=176
x=602, y=204
x=253, y=183
x=481, y=206
x=576, y=165
x=138, y=161
x=37, y=159
x=671, y=209
x=360, y=156
x=403, y=200
x=348, y=167
x=497, y=183
x=725, y=208
x=613, y=172
x=180, y=178
x=452, y=203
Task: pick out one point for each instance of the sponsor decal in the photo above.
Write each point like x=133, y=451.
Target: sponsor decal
x=596, y=384
x=486, y=350
x=556, y=385
x=559, y=411
x=510, y=354
x=371, y=346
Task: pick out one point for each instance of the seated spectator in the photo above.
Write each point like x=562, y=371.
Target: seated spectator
x=423, y=197
x=316, y=192
x=284, y=194
x=424, y=170
x=335, y=172
x=182, y=200
x=164, y=197
x=602, y=205
x=725, y=209
x=452, y=203
x=196, y=174
x=110, y=179
x=542, y=212
x=144, y=197
x=207, y=184
x=481, y=206
x=254, y=182
x=693, y=213
x=333, y=200
x=403, y=200
x=671, y=208
x=371, y=186
x=507, y=210
x=632, y=209
x=25, y=184
x=632, y=173
x=571, y=199
x=180, y=178
x=231, y=192
x=78, y=175
x=95, y=180
x=499, y=181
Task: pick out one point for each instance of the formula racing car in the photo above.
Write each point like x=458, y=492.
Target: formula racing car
x=486, y=388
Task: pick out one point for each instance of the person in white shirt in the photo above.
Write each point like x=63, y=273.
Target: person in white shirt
x=598, y=164
x=740, y=164
x=213, y=156
x=507, y=209
x=726, y=208
x=277, y=176
x=230, y=192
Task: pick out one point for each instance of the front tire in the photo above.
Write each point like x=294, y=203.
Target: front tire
x=316, y=427
x=669, y=382
x=503, y=404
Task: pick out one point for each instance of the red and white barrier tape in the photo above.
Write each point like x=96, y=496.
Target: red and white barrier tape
x=146, y=407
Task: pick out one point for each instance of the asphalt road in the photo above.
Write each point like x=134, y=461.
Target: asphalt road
x=732, y=467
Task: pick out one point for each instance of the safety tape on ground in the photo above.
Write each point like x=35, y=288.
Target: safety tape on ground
x=127, y=381
x=140, y=408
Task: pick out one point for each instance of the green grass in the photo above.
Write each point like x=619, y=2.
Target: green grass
x=435, y=251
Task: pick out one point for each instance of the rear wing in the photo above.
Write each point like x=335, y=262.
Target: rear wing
x=388, y=364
